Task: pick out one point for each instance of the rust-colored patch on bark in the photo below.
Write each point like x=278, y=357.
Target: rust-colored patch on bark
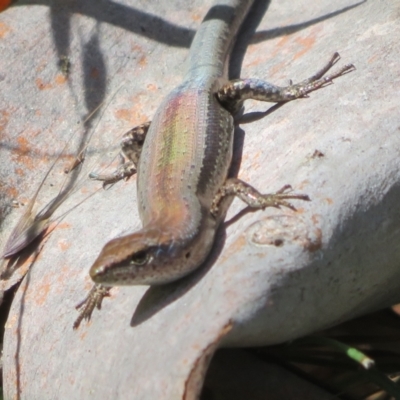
x=300, y=210
x=64, y=245
x=41, y=85
x=282, y=43
x=151, y=87
x=4, y=28
x=123, y=113
x=23, y=153
x=63, y=225
x=60, y=79
x=86, y=190
x=12, y=192
x=277, y=68
x=142, y=57
x=305, y=44
x=302, y=185
x=137, y=48
x=23, y=144
x=82, y=332
x=4, y=118
x=373, y=58
x=133, y=116
x=66, y=270
x=88, y=283
x=69, y=161
x=42, y=292
x=12, y=322
x=315, y=218
x=234, y=248
x=196, y=16
x=142, y=60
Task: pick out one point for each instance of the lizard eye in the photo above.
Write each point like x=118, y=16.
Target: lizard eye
x=140, y=258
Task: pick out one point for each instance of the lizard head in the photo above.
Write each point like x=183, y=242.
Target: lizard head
x=147, y=257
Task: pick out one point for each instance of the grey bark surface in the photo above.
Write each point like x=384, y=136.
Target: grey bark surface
x=274, y=275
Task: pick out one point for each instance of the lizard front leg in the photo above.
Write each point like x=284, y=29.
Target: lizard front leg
x=234, y=93
x=93, y=300
x=131, y=147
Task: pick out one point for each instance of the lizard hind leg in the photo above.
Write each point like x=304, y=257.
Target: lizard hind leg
x=253, y=198
x=234, y=93
x=131, y=147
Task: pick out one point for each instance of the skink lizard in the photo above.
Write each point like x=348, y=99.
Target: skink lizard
x=182, y=159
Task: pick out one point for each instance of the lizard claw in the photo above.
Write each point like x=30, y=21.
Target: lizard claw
x=93, y=300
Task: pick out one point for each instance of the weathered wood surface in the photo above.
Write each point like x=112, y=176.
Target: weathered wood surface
x=275, y=275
